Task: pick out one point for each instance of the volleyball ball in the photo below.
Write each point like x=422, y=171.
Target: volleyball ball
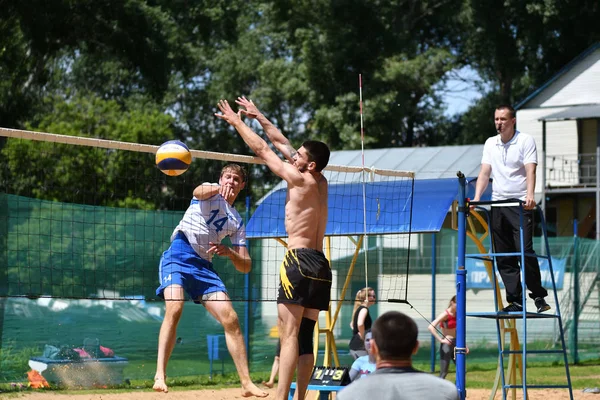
x=173, y=158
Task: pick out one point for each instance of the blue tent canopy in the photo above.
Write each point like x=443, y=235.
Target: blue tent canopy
x=388, y=204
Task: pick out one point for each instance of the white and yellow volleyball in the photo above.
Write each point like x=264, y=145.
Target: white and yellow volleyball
x=173, y=158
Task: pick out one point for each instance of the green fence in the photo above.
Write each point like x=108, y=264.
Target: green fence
x=54, y=292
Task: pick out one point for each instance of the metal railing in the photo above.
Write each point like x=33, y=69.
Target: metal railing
x=574, y=169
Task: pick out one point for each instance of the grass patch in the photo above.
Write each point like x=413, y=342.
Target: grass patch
x=479, y=376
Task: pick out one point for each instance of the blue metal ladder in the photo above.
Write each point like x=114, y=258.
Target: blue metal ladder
x=506, y=321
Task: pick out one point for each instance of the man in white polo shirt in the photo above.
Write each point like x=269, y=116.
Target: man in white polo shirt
x=510, y=157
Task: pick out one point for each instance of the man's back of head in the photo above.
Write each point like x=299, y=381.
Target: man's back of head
x=394, y=342
x=395, y=335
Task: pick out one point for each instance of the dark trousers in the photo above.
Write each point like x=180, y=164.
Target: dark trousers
x=505, y=228
x=446, y=355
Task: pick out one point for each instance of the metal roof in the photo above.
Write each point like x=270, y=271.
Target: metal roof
x=440, y=162
x=575, y=112
x=427, y=162
x=435, y=187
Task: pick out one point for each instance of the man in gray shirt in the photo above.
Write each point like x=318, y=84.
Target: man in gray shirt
x=393, y=344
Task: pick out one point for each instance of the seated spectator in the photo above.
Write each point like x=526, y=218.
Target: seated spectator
x=393, y=343
x=364, y=365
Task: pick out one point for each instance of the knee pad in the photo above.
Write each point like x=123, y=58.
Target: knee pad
x=305, y=336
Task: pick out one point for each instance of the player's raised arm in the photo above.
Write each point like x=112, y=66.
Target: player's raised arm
x=280, y=142
x=208, y=190
x=285, y=171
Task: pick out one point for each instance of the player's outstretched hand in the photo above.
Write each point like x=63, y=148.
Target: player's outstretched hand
x=250, y=110
x=227, y=113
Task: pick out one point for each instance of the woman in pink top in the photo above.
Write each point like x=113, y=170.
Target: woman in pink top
x=445, y=334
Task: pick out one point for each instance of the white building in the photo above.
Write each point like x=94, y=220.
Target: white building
x=563, y=116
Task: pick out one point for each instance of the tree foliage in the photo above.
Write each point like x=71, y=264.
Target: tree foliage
x=52, y=171
x=148, y=71
x=517, y=45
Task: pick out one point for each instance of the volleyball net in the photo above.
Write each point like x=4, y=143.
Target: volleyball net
x=83, y=224
x=85, y=218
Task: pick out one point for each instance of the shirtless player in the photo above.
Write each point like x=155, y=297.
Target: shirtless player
x=305, y=274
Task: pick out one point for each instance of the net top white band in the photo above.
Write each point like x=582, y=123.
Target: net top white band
x=147, y=148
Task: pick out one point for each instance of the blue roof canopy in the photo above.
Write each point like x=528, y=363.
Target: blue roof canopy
x=390, y=206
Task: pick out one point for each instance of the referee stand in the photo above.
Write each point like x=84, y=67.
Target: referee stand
x=510, y=352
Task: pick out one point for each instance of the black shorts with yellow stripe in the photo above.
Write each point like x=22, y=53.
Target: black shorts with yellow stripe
x=305, y=279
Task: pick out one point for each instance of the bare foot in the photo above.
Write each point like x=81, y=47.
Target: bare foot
x=160, y=385
x=251, y=389
x=268, y=384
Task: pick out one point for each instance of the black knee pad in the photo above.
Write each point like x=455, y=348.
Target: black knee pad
x=305, y=336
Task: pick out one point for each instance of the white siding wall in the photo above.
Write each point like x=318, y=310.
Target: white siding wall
x=561, y=145
x=579, y=85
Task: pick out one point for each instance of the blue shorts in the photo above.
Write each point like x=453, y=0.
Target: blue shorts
x=181, y=265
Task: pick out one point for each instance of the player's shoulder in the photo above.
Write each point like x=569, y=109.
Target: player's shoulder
x=526, y=142
x=439, y=383
x=491, y=141
x=235, y=212
x=420, y=382
x=359, y=387
x=234, y=215
x=362, y=359
x=315, y=179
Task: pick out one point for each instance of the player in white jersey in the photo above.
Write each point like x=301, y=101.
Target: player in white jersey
x=210, y=221
x=186, y=267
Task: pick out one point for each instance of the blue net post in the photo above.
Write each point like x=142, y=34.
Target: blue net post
x=213, y=353
x=461, y=289
x=433, y=297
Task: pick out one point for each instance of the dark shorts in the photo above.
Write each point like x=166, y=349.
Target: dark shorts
x=305, y=279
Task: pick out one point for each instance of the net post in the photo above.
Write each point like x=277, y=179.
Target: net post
x=461, y=287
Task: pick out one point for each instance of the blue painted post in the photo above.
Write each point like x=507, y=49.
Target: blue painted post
x=461, y=286
x=433, y=296
x=213, y=352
